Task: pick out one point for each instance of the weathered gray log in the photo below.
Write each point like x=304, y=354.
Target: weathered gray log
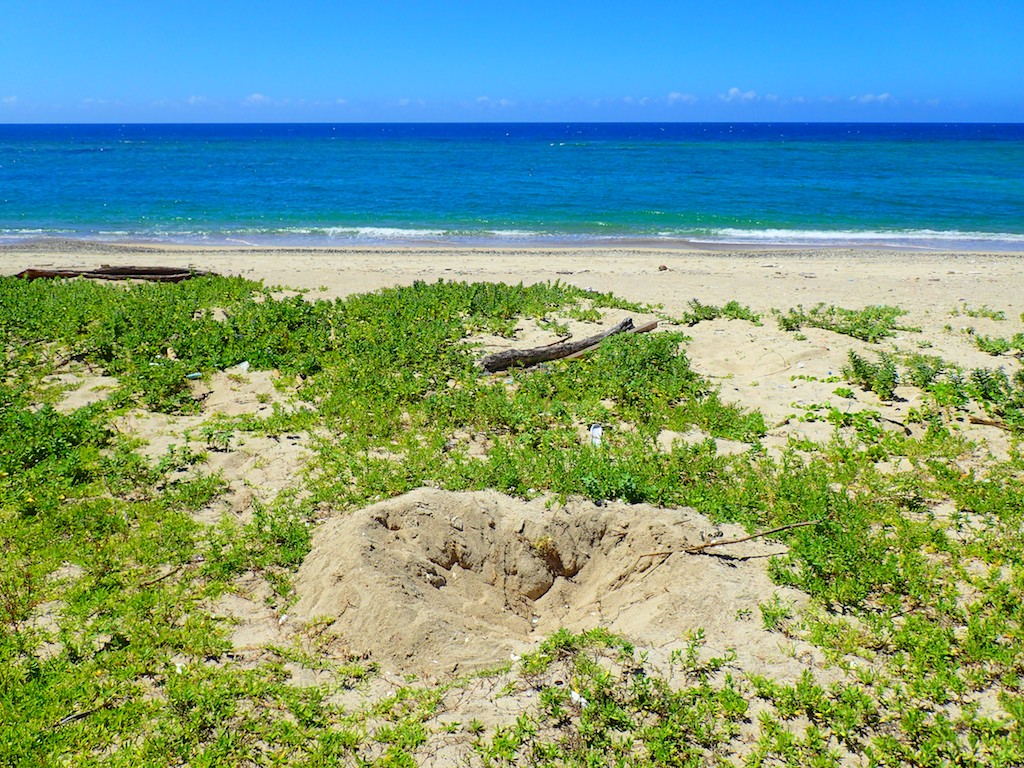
x=499, y=361
x=587, y=350
x=154, y=274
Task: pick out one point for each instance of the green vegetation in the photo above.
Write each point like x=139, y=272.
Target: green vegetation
x=614, y=711
x=872, y=324
x=880, y=378
x=109, y=654
x=922, y=370
x=996, y=345
x=984, y=311
x=732, y=310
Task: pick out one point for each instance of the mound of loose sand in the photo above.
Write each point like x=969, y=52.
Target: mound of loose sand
x=435, y=582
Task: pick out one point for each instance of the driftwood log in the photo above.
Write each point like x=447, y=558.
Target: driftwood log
x=500, y=361
x=587, y=350
x=153, y=274
x=990, y=423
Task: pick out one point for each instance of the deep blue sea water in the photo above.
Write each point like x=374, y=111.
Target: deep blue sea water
x=904, y=185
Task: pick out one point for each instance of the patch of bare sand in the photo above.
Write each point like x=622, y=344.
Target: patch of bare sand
x=81, y=389
x=254, y=624
x=792, y=380
x=768, y=369
x=439, y=582
x=254, y=467
x=694, y=436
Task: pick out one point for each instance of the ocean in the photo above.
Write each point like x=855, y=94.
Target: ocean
x=882, y=185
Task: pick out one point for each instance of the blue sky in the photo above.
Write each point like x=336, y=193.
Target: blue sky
x=400, y=60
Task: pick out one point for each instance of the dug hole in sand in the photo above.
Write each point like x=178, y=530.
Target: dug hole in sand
x=436, y=582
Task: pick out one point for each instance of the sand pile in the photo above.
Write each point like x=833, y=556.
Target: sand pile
x=435, y=581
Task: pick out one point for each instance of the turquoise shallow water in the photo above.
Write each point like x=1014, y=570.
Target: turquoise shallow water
x=902, y=185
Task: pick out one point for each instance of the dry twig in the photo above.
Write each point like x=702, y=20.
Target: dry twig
x=697, y=549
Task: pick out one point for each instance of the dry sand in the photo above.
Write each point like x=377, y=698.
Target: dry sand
x=435, y=583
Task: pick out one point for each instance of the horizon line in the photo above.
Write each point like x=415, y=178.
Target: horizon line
x=519, y=122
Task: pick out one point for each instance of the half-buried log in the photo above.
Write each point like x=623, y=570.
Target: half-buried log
x=154, y=274
x=500, y=361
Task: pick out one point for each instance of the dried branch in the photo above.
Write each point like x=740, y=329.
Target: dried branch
x=696, y=550
x=990, y=423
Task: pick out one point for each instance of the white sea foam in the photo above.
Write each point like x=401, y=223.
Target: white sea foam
x=514, y=234
x=378, y=234
x=916, y=237
x=386, y=233
x=359, y=235
x=27, y=232
x=20, y=235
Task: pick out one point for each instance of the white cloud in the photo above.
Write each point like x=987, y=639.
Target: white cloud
x=197, y=101
x=487, y=101
x=256, y=100
x=871, y=98
x=321, y=104
x=681, y=98
x=9, y=101
x=735, y=94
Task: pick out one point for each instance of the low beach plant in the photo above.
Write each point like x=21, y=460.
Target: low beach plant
x=984, y=311
x=996, y=345
x=992, y=345
x=872, y=323
x=880, y=377
x=1000, y=395
x=922, y=370
x=613, y=706
x=731, y=310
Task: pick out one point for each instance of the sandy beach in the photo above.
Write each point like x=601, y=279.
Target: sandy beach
x=763, y=278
